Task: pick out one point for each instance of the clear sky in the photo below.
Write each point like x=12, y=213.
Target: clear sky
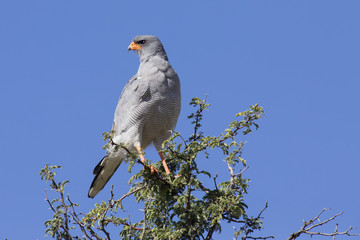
x=63, y=65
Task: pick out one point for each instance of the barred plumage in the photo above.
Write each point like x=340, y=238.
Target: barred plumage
x=147, y=110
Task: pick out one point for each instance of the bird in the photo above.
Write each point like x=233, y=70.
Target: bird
x=147, y=111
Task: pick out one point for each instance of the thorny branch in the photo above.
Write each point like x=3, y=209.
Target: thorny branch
x=210, y=232
x=69, y=211
x=247, y=124
x=58, y=188
x=126, y=195
x=215, y=184
x=111, y=205
x=309, y=225
x=77, y=219
x=181, y=201
x=102, y=219
x=250, y=230
x=198, y=118
x=233, y=175
x=144, y=225
x=249, y=237
x=94, y=234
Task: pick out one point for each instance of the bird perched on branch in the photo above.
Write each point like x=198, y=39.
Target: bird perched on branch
x=147, y=111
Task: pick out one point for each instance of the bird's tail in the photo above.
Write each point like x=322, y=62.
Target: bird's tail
x=103, y=172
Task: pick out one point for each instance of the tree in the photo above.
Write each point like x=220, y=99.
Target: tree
x=175, y=206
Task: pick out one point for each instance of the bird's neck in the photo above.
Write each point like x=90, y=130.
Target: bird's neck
x=145, y=57
x=153, y=64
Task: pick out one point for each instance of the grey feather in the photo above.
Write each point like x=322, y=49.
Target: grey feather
x=147, y=111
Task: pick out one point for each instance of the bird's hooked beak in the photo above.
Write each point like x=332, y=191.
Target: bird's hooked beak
x=134, y=46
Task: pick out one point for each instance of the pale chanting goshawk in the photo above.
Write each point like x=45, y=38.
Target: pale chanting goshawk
x=147, y=111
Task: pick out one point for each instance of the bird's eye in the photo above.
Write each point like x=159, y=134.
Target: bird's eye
x=141, y=42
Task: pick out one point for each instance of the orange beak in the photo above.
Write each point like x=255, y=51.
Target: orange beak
x=134, y=46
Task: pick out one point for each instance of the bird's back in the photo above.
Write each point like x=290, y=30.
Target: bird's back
x=147, y=110
x=149, y=105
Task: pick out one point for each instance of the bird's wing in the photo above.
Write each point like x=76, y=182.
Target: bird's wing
x=129, y=112
x=132, y=109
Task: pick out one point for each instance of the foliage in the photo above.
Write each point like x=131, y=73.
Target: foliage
x=176, y=206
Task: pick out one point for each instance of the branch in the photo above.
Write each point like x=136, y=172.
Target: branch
x=233, y=175
x=66, y=220
x=93, y=233
x=126, y=195
x=248, y=231
x=309, y=225
x=144, y=225
x=53, y=209
x=262, y=210
x=198, y=117
x=248, y=237
x=61, y=191
x=77, y=219
x=215, y=181
x=210, y=232
x=102, y=219
x=47, y=199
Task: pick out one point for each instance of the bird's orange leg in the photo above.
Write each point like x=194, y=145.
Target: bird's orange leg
x=142, y=158
x=164, y=163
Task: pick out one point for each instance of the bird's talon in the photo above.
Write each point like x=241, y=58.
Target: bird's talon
x=130, y=112
x=153, y=170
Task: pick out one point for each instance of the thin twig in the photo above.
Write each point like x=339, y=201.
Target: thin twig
x=256, y=219
x=246, y=124
x=233, y=175
x=93, y=233
x=47, y=199
x=126, y=195
x=144, y=225
x=262, y=210
x=102, y=219
x=309, y=225
x=249, y=237
x=57, y=188
x=77, y=220
x=53, y=209
x=242, y=171
x=215, y=181
x=210, y=232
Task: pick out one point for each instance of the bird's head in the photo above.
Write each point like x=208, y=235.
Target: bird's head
x=146, y=46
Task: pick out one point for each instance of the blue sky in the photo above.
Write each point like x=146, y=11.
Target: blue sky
x=64, y=64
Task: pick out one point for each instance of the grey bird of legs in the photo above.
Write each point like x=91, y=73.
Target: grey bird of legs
x=147, y=111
